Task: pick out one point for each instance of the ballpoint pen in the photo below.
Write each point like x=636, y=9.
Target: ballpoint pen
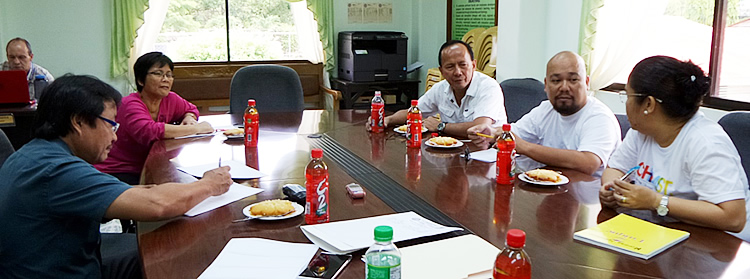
x=483, y=135
x=219, y=161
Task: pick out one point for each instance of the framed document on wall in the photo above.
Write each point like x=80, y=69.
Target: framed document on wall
x=464, y=15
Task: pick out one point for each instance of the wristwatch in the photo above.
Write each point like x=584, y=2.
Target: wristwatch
x=441, y=127
x=662, y=210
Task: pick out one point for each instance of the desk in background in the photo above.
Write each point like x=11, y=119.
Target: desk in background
x=353, y=90
x=462, y=191
x=18, y=123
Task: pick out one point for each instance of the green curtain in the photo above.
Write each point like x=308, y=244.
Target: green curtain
x=127, y=17
x=589, y=15
x=323, y=13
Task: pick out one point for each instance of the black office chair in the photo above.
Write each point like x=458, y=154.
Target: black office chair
x=737, y=126
x=275, y=88
x=522, y=95
x=6, y=148
x=624, y=123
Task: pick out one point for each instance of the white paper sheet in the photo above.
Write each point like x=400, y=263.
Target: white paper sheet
x=257, y=258
x=347, y=236
x=238, y=170
x=236, y=192
x=197, y=135
x=487, y=155
x=469, y=254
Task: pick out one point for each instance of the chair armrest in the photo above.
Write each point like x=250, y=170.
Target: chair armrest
x=335, y=93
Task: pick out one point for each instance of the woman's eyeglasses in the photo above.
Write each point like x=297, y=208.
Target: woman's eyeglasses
x=161, y=75
x=624, y=96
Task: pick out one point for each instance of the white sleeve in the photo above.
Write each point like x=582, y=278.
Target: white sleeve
x=428, y=103
x=490, y=102
x=600, y=135
x=526, y=127
x=626, y=155
x=716, y=173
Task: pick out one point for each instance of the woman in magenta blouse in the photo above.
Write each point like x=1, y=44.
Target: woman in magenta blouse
x=147, y=116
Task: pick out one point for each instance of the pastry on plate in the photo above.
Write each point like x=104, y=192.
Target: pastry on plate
x=233, y=132
x=444, y=141
x=401, y=128
x=272, y=208
x=544, y=175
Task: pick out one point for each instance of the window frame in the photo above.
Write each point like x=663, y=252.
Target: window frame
x=717, y=52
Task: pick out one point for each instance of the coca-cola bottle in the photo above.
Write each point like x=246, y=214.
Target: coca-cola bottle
x=512, y=262
x=377, y=114
x=506, y=153
x=414, y=126
x=251, y=120
x=316, y=183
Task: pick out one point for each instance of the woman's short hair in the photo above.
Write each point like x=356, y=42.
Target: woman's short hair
x=145, y=62
x=70, y=96
x=681, y=85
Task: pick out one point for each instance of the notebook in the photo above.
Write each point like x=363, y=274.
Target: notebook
x=14, y=88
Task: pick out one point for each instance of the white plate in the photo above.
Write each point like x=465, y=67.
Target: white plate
x=527, y=179
x=404, y=132
x=432, y=144
x=298, y=209
x=235, y=136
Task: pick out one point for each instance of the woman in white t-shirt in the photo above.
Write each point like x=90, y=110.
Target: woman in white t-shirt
x=686, y=166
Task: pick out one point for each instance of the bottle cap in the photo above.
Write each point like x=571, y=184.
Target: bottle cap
x=383, y=233
x=40, y=76
x=516, y=238
x=317, y=153
x=434, y=135
x=251, y=103
x=506, y=127
x=414, y=103
x=377, y=93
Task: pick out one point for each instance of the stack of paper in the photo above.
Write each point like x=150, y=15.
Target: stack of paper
x=236, y=192
x=469, y=255
x=238, y=170
x=487, y=155
x=257, y=258
x=347, y=236
x=632, y=236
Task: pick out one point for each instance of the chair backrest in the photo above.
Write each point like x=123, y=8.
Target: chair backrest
x=624, y=123
x=274, y=87
x=522, y=95
x=6, y=148
x=737, y=126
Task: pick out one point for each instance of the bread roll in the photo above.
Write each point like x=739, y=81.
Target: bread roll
x=272, y=208
x=544, y=175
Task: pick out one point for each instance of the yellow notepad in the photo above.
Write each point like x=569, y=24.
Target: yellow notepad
x=632, y=236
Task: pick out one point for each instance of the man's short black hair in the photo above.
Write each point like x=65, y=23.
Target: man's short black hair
x=16, y=39
x=145, y=62
x=70, y=96
x=450, y=43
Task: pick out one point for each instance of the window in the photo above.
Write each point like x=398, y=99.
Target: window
x=229, y=30
x=630, y=30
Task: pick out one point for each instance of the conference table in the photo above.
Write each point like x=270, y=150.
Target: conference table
x=438, y=184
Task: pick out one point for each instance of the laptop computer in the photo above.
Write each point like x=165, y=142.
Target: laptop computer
x=14, y=88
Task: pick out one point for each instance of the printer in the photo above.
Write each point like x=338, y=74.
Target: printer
x=372, y=56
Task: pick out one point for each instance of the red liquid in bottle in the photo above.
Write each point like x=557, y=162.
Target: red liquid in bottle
x=377, y=114
x=316, y=183
x=414, y=126
x=251, y=120
x=512, y=262
x=506, y=153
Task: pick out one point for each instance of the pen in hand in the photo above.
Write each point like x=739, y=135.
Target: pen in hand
x=219, y=161
x=483, y=135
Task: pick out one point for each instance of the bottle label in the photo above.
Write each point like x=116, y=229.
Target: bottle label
x=316, y=208
x=377, y=116
x=383, y=272
x=414, y=132
x=251, y=129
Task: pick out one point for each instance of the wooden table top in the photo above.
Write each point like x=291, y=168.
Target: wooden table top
x=464, y=191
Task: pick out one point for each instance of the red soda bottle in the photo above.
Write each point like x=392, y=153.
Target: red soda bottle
x=251, y=124
x=506, y=153
x=316, y=183
x=414, y=126
x=377, y=114
x=512, y=262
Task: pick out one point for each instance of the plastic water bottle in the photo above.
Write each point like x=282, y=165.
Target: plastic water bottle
x=383, y=258
x=512, y=262
x=414, y=126
x=252, y=124
x=506, y=153
x=316, y=184
x=377, y=114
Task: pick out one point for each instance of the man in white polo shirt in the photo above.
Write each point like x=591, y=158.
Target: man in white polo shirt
x=464, y=99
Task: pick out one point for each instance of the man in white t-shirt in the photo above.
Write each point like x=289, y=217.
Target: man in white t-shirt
x=465, y=98
x=569, y=130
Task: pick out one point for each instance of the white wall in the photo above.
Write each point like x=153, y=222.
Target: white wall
x=65, y=36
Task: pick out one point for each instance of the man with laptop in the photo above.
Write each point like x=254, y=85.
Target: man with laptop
x=18, y=52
